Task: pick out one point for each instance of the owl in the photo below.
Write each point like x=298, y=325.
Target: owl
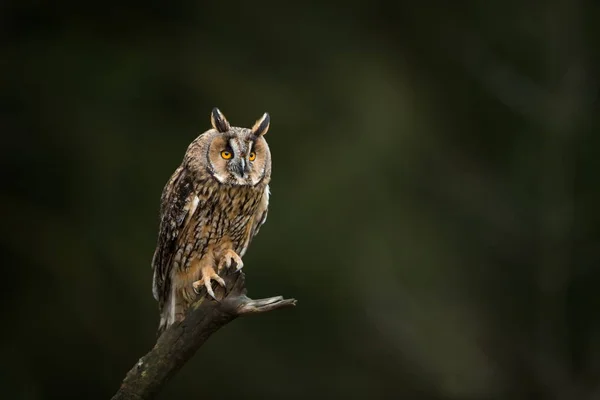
x=211, y=208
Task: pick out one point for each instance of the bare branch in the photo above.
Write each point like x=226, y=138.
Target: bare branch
x=181, y=340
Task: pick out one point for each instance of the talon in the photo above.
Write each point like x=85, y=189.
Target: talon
x=239, y=266
x=208, y=275
x=219, y=280
x=209, y=289
x=229, y=257
x=198, y=285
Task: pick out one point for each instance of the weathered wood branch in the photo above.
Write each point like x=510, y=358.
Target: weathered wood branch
x=181, y=340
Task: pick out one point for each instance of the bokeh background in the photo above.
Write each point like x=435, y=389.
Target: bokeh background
x=434, y=198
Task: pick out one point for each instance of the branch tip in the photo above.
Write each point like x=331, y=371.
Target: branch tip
x=249, y=306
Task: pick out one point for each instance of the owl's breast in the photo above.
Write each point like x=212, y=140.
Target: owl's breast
x=222, y=218
x=237, y=212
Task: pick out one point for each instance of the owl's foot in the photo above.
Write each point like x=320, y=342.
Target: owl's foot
x=227, y=258
x=208, y=274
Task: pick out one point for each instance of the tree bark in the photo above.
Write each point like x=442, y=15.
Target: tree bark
x=180, y=341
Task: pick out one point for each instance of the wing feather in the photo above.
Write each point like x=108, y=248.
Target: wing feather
x=177, y=201
x=260, y=215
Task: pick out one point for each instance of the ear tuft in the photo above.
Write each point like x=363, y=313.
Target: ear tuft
x=218, y=120
x=261, y=126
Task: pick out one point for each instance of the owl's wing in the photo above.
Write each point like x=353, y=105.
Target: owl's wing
x=260, y=216
x=176, y=203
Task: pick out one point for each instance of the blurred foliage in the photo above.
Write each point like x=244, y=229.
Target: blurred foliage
x=434, y=208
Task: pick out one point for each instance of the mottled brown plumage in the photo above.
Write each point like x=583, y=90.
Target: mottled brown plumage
x=211, y=208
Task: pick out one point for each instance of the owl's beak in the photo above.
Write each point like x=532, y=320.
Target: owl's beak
x=240, y=167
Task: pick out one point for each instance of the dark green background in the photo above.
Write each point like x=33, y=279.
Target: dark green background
x=434, y=199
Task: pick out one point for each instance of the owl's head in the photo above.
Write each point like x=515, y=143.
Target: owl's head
x=232, y=155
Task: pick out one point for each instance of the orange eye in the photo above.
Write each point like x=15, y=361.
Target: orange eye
x=226, y=154
x=252, y=156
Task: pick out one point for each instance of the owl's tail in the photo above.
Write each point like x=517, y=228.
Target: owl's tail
x=162, y=325
x=173, y=310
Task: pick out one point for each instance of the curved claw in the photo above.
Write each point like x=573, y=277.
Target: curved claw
x=218, y=279
x=228, y=258
x=209, y=289
x=239, y=266
x=208, y=275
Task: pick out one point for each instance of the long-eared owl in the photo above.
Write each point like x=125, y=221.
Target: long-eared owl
x=212, y=206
